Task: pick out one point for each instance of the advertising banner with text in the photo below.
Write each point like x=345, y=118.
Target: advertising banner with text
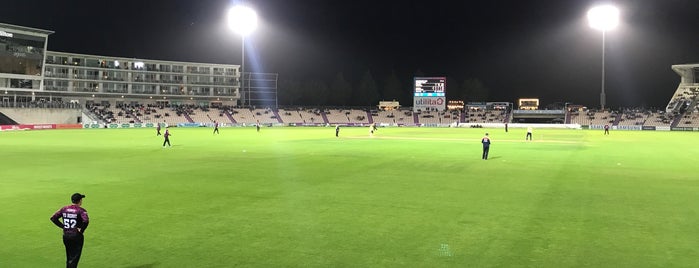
x=124, y=125
x=27, y=127
x=429, y=103
x=68, y=126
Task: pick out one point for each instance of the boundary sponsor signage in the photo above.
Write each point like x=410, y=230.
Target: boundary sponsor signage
x=682, y=129
x=28, y=127
x=189, y=125
x=68, y=126
x=617, y=127
x=629, y=127
x=429, y=103
x=124, y=125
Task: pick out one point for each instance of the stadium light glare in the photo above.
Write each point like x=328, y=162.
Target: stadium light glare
x=603, y=18
x=243, y=21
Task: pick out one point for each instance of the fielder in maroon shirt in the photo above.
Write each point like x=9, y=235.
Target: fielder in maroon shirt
x=167, y=137
x=74, y=222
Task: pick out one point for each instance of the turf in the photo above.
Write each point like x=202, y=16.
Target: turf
x=408, y=197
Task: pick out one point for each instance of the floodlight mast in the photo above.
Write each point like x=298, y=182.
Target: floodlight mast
x=603, y=18
x=243, y=21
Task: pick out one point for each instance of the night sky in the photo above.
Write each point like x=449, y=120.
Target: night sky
x=517, y=48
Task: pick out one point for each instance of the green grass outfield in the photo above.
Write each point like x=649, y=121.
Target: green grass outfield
x=408, y=197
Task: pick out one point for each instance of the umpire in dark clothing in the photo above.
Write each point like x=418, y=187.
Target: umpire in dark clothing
x=486, y=146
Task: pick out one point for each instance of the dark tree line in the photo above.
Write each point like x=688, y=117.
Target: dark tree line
x=367, y=92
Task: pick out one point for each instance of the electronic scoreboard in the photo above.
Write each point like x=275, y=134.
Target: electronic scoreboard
x=430, y=86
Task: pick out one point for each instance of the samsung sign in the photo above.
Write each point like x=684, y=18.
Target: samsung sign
x=6, y=34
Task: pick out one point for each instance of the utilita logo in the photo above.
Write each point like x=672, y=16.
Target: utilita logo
x=6, y=34
x=429, y=101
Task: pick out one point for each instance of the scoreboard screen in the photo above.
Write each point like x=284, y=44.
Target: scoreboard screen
x=430, y=86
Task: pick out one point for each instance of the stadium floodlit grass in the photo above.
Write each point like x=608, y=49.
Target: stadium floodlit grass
x=408, y=197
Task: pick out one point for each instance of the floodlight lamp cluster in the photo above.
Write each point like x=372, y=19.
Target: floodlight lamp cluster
x=242, y=20
x=603, y=18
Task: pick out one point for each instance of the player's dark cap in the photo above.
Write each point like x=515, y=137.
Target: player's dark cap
x=76, y=197
x=486, y=133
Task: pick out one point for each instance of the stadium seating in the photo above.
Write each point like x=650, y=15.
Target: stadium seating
x=312, y=116
x=485, y=116
x=243, y=116
x=430, y=117
x=400, y=116
x=351, y=116
x=336, y=116
x=659, y=119
x=633, y=117
x=496, y=116
x=265, y=116
x=592, y=117
x=100, y=112
x=208, y=115
x=141, y=113
x=248, y=116
x=120, y=111
x=690, y=119
x=301, y=116
x=125, y=114
x=684, y=97
x=290, y=116
x=172, y=114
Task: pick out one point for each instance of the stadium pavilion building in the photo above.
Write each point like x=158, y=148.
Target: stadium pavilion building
x=29, y=71
x=687, y=94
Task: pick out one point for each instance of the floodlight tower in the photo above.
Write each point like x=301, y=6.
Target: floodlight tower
x=243, y=21
x=603, y=18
